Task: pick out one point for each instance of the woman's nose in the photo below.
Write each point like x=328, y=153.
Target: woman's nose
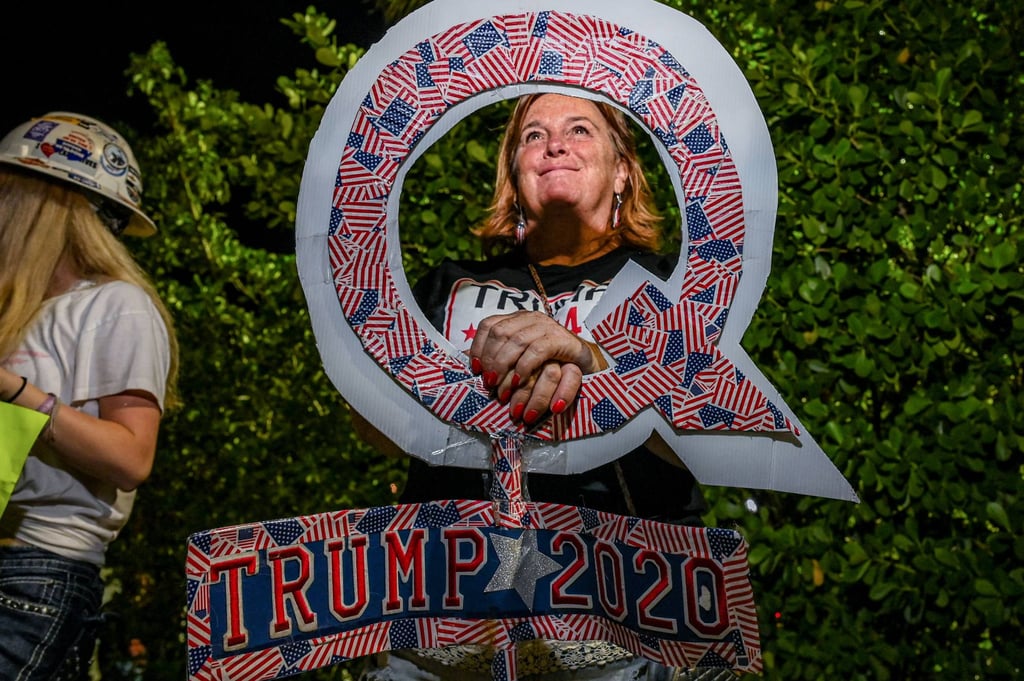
x=556, y=145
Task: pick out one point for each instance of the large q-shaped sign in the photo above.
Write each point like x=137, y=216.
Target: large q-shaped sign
x=674, y=347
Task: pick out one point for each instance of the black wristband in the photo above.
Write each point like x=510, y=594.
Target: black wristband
x=17, y=393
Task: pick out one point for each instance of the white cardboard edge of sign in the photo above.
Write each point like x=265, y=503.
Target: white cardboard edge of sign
x=727, y=458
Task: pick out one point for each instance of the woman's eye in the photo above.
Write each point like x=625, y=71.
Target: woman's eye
x=532, y=136
x=580, y=130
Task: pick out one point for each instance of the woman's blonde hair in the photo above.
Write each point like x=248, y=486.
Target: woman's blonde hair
x=41, y=221
x=639, y=217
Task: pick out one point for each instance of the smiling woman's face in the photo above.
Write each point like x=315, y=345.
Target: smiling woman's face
x=566, y=162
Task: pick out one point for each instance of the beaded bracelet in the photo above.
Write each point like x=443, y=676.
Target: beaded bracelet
x=17, y=393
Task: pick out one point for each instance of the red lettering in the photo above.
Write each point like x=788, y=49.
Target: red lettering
x=455, y=539
x=572, y=320
x=655, y=593
x=706, y=608
x=293, y=590
x=405, y=563
x=236, y=636
x=355, y=548
x=610, y=587
x=559, y=596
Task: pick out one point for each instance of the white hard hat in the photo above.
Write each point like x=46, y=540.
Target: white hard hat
x=81, y=150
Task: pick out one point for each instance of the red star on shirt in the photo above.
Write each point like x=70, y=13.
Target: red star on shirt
x=470, y=333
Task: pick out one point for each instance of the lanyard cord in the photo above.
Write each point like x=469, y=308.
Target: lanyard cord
x=619, y=474
x=540, y=289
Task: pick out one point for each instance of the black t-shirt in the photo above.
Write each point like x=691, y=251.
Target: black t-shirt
x=457, y=294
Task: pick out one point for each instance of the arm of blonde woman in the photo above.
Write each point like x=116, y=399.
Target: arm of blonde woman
x=533, y=363
x=119, y=447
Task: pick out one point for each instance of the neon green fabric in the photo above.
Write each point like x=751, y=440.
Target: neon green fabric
x=20, y=427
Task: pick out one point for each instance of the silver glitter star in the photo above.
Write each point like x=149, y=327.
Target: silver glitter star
x=522, y=565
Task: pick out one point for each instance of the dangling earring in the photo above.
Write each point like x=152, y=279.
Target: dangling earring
x=615, y=213
x=521, y=228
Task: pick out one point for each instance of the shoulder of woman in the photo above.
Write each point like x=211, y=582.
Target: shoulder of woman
x=117, y=289
x=116, y=297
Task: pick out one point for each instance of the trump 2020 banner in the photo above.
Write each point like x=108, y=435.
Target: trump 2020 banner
x=276, y=598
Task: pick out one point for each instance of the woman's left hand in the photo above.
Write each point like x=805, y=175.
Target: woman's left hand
x=532, y=363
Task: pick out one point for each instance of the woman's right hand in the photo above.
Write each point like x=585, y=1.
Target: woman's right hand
x=532, y=363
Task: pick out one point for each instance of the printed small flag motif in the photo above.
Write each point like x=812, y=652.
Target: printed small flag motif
x=446, y=68
x=275, y=598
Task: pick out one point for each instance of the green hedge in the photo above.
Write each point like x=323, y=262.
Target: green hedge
x=890, y=323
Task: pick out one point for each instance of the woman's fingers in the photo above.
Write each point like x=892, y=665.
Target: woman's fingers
x=532, y=363
x=522, y=343
x=501, y=341
x=551, y=390
x=556, y=388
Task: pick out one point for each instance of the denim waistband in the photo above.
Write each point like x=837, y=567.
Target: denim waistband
x=29, y=558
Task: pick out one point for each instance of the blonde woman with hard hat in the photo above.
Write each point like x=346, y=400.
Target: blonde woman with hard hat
x=86, y=340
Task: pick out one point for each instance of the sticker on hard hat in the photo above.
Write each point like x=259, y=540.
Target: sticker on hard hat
x=81, y=179
x=40, y=130
x=114, y=160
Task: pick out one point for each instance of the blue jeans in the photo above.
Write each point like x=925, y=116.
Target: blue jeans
x=49, y=615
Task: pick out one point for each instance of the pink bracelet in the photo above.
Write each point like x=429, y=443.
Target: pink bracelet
x=47, y=406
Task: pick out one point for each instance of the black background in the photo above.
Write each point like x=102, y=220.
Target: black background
x=65, y=56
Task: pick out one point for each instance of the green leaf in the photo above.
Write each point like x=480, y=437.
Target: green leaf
x=879, y=590
x=1001, y=255
x=946, y=557
x=985, y=588
x=863, y=365
x=476, y=151
x=813, y=290
x=909, y=290
x=855, y=552
x=857, y=94
x=328, y=57
x=942, y=79
x=998, y=515
x=972, y=119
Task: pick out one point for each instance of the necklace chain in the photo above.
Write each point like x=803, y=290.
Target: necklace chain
x=540, y=289
x=628, y=498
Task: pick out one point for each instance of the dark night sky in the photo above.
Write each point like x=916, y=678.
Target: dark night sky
x=72, y=56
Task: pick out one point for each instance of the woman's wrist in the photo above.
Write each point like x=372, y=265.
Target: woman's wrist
x=47, y=405
x=13, y=395
x=598, y=361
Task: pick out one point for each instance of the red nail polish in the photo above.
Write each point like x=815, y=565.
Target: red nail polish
x=491, y=379
x=517, y=411
x=558, y=407
x=531, y=416
x=515, y=381
x=504, y=397
x=475, y=365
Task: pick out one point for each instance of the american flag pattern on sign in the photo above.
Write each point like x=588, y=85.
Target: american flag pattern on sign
x=664, y=349
x=265, y=601
x=277, y=598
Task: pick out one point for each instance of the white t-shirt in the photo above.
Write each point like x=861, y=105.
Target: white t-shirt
x=93, y=341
